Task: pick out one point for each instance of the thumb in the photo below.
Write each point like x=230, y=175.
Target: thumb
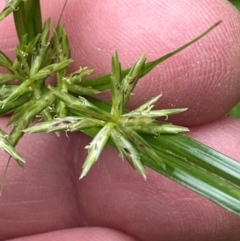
x=204, y=77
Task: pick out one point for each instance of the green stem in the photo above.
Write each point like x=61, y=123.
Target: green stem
x=28, y=19
x=34, y=18
x=20, y=21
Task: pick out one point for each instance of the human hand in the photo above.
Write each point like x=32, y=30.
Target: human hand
x=47, y=197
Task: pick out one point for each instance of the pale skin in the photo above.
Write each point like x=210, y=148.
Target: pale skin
x=47, y=202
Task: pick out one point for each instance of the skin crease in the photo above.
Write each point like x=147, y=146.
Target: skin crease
x=47, y=200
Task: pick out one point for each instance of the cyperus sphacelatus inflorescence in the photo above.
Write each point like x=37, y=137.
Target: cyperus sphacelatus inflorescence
x=70, y=105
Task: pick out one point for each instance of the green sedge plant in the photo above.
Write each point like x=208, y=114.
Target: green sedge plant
x=70, y=105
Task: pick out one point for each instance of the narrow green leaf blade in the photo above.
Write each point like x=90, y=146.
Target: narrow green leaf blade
x=198, y=154
x=103, y=82
x=150, y=65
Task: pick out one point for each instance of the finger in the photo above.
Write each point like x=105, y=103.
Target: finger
x=45, y=198
x=158, y=209
x=80, y=234
x=204, y=77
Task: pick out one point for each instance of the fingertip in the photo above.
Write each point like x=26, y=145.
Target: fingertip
x=204, y=77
